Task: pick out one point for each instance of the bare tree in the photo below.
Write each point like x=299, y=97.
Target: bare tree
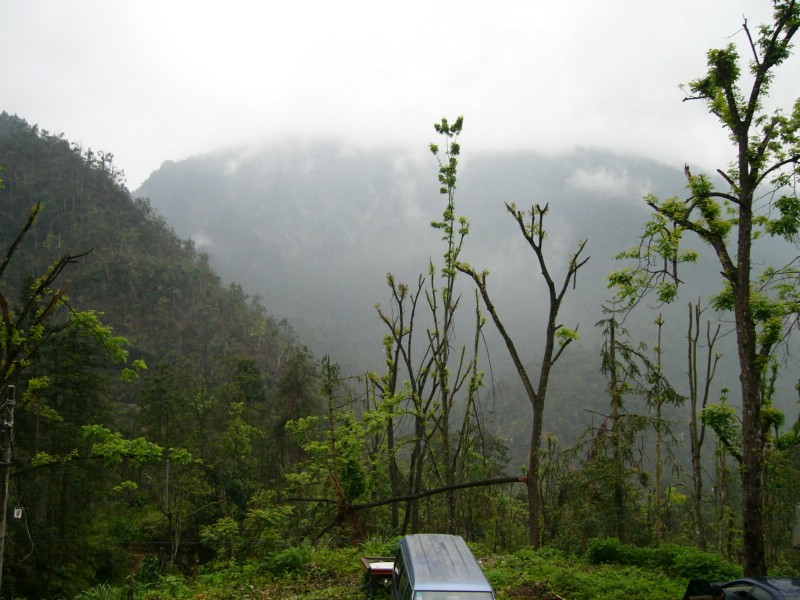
x=699, y=390
x=557, y=338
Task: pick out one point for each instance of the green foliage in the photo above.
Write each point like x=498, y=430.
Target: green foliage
x=722, y=419
x=265, y=529
x=114, y=345
x=609, y=550
x=672, y=560
x=133, y=371
x=113, y=447
x=656, y=260
x=170, y=585
x=44, y=459
x=335, y=444
x=221, y=536
x=448, y=170
x=381, y=547
x=308, y=573
x=569, y=576
x=290, y=561
x=565, y=336
x=767, y=154
x=695, y=564
x=101, y=591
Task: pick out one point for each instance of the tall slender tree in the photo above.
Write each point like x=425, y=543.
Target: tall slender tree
x=699, y=391
x=760, y=199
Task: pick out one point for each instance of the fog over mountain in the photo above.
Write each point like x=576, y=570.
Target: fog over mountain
x=313, y=228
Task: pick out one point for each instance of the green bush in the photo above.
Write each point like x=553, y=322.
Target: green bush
x=169, y=587
x=611, y=583
x=692, y=564
x=603, y=551
x=381, y=546
x=320, y=572
x=671, y=559
x=573, y=577
x=289, y=561
x=102, y=591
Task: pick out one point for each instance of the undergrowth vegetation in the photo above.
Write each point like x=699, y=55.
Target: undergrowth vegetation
x=608, y=570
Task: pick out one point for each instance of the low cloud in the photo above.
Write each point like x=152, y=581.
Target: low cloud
x=601, y=182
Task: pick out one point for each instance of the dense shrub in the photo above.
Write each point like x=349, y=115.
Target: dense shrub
x=574, y=577
x=693, y=564
x=381, y=546
x=318, y=573
x=671, y=559
x=289, y=561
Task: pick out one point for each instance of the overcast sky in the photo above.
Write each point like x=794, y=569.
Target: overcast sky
x=160, y=80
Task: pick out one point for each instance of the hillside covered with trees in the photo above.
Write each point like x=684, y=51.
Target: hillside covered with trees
x=171, y=428
x=113, y=474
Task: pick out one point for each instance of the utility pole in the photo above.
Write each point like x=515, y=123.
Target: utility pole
x=5, y=464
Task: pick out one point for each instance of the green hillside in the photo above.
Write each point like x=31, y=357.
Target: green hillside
x=163, y=455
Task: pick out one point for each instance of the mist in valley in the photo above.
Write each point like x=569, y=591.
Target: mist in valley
x=314, y=228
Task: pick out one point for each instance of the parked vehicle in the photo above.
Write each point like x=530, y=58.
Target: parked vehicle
x=438, y=567
x=747, y=588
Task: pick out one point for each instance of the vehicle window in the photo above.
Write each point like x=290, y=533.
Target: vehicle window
x=740, y=590
x=398, y=565
x=400, y=579
x=402, y=586
x=756, y=593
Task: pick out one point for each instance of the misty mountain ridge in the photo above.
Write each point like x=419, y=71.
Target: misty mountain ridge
x=314, y=228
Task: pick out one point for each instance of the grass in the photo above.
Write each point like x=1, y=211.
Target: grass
x=320, y=574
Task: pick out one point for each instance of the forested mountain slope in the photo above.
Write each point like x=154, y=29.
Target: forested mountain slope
x=219, y=366
x=153, y=286
x=315, y=227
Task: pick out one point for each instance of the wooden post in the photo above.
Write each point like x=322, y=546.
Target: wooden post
x=5, y=464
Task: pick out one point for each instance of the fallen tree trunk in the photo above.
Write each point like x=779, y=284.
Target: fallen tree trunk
x=346, y=510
